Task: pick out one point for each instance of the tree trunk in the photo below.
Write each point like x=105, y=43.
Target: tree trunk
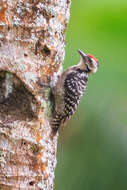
x=32, y=41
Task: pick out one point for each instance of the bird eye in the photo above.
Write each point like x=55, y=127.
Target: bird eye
x=89, y=59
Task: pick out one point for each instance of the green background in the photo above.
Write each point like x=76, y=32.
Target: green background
x=92, y=150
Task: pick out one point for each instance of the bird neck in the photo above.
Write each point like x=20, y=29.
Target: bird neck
x=83, y=66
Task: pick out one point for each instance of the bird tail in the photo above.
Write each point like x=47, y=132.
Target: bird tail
x=56, y=122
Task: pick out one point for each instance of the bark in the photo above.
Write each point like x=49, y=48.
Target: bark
x=32, y=41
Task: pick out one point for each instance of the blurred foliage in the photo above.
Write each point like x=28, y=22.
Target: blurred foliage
x=92, y=151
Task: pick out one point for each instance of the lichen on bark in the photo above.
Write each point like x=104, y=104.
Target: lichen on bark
x=32, y=42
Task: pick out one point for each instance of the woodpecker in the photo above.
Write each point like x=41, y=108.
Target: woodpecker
x=70, y=87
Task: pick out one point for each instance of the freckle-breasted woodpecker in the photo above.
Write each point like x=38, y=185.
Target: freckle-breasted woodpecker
x=70, y=87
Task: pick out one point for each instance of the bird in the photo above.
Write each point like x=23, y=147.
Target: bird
x=69, y=89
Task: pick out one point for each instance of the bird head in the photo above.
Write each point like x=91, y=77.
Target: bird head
x=88, y=62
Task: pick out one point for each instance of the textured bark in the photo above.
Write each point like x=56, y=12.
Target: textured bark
x=32, y=41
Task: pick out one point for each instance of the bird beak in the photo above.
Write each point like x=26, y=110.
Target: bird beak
x=83, y=55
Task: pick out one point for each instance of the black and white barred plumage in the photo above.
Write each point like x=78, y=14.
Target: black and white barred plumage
x=74, y=87
x=69, y=89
